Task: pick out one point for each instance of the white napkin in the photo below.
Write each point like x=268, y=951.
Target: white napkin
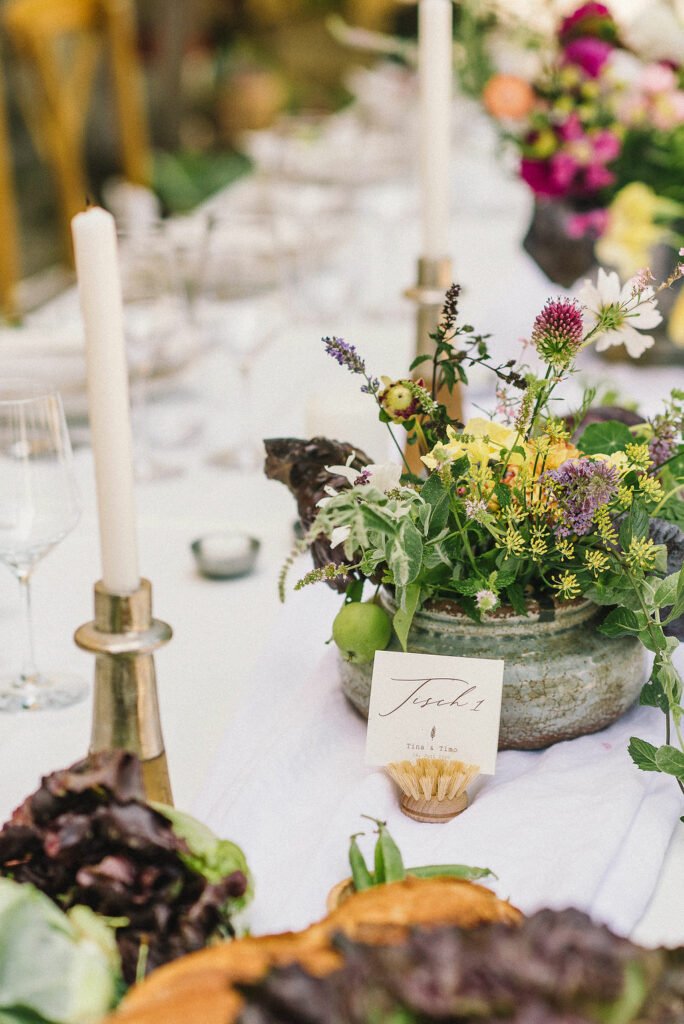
x=574, y=825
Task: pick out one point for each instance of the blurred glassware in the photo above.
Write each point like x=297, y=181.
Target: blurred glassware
x=155, y=318
x=39, y=506
x=238, y=298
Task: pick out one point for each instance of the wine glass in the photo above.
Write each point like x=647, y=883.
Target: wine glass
x=154, y=319
x=241, y=304
x=39, y=506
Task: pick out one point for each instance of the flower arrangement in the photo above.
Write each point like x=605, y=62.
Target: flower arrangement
x=598, y=118
x=524, y=506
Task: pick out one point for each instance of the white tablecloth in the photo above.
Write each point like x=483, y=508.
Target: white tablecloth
x=574, y=825
x=234, y=648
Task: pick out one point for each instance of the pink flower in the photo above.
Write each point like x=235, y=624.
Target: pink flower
x=597, y=177
x=571, y=129
x=658, y=78
x=538, y=174
x=606, y=145
x=588, y=53
x=591, y=224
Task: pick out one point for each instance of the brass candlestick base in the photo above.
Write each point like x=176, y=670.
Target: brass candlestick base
x=123, y=636
x=434, y=277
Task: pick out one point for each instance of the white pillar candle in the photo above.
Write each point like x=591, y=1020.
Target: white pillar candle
x=435, y=58
x=99, y=286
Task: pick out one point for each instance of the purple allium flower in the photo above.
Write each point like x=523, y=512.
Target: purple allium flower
x=662, y=445
x=580, y=487
x=345, y=354
x=558, y=331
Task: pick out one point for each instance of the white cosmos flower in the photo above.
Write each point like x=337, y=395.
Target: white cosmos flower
x=339, y=535
x=383, y=476
x=628, y=310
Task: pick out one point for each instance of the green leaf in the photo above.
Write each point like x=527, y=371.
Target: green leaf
x=643, y=754
x=670, y=760
x=436, y=495
x=468, y=587
x=635, y=524
x=419, y=360
x=653, y=641
x=666, y=591
x=621, y=621
x=605, y=438
x=653, y=696
x=403, y=617
x=406, y=554
x=516, y=597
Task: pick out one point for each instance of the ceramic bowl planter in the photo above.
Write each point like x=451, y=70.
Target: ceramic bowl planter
x=562, y=678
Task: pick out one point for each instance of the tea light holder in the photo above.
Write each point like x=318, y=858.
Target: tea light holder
x=123, y=637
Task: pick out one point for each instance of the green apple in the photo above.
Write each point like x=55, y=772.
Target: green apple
x=361, y=629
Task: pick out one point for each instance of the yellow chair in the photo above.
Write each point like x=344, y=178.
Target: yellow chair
x=59, y=45
x=9, y=241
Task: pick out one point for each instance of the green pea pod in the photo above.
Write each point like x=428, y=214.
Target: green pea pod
x=451, y=871
x=379, y=860
x=392, y=860
x=361, y=876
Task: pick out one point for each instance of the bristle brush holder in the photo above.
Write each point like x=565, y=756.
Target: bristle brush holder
x=432, y=789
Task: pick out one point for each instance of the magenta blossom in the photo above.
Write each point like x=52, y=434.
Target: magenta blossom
x=571, y=130
x=591, y=224
x=552, y=177
x=596, y=177
x=588, y=53
x=606, y=145
x=591, y=19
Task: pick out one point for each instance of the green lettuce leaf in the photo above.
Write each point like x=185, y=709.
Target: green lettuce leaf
x=51, y=968
x=209, y=856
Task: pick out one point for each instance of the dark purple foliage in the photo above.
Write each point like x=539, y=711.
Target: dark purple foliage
x=556, y=968
x=86, y=836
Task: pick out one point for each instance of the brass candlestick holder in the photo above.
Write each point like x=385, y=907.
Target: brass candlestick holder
x=434, y=277
x=123, y=637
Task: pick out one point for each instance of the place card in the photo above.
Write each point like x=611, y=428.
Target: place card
x=434, y=705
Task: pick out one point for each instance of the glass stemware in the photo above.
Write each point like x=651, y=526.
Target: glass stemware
x=240, y=304
x=39, y=506
x=154, y=318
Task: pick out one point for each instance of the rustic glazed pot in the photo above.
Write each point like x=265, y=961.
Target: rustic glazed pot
x=562, y=678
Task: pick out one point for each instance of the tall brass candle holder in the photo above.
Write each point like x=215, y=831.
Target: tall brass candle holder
x=434, y=277
x=123, y=637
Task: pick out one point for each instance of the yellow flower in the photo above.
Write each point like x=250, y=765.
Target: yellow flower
x=604, y=525
x=565, y=547
x=650, y=487
x=567, y=586
x=641, y=554
x=638, y=455
x=480, y=439
x=513, y=542
x=618, y=460
x=596, y=561
x=625, y=496
x=632, y=229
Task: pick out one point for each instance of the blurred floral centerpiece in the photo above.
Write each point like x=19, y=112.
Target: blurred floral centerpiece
x=600, y=136
x=522, y=530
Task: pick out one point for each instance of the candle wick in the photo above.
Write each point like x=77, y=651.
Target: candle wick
x=88, y=202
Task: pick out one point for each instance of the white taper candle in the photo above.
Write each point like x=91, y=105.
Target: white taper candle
x=99, y=286
x=435, y=62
